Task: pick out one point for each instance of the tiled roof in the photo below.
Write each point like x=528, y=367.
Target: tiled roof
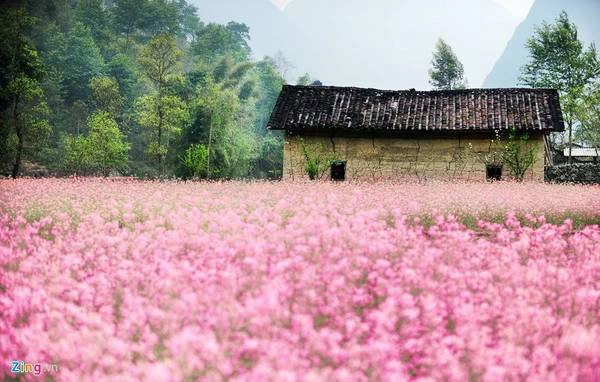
x=337, y=108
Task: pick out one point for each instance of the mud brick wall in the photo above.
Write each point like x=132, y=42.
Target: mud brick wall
x=371, y=158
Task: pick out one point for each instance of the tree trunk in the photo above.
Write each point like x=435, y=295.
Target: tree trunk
x=160, y=128
x=209, y=145
x=570, y=142
x=17, y=164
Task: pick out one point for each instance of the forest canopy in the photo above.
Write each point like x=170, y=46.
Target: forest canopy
x=165, y=93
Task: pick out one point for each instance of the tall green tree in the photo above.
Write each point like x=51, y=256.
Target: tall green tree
x=107, y=142
x=559, y=60
x=22, y=98
x=269, y=163
x=163, y=118
x=160, y=16
x=188, y=20
x=83, y=62
x=194, y=161
x=29, y=117
x=127, y=17
x=214, y=41
x=106, y=95
x=122, y=68
x=77, y=155
x=231, y=148
x=589, y=116
x=160, y=60
x=447, y=72
x=234, y=76
x=102, y=151
x=92, y=14
x=52, y=50
x=270, y=83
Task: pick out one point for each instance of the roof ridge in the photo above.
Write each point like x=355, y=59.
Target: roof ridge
x=468, y=90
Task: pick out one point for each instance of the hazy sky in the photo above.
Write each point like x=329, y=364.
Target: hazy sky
x=518, y=8
x=374, y=43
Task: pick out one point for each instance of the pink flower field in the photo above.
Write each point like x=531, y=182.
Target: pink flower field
x=122, y=280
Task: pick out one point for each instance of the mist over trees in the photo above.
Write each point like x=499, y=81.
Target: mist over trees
x=133, y=87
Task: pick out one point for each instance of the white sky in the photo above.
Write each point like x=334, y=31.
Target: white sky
x=519, y=8
x=281, y=4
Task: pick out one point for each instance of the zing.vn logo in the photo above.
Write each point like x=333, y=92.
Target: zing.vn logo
x=22, y=367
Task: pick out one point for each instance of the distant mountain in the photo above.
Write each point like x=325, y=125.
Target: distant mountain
x=379, y=43
x=584, y=13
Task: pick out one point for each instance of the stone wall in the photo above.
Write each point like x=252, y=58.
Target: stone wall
x=449, y=157
x=586, y=173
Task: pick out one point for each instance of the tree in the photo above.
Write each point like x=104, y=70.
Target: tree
x=304, y=80
x=110, y=150
x=219, y=115
x=158, y=17
x=160, y=61
x=231, y=76
x=269, y=163
x=190, y=23
x=318, y=160
x=29, y=116
x=123, y=69
x=103, y=150
x=93, y=15
x=78, y=154
x=22, y=98
x=447, y=72
x=588, y=114
x=127, y=15
x=195, y=160
x=83, y=62
x=231, y=146
x=106, y=95
x=559, y=61
x=518, y=155
x=52, y=53
x=163, y=118
x=214, y=41
x=270, y=83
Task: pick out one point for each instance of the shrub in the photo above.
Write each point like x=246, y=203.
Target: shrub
x=318, y=160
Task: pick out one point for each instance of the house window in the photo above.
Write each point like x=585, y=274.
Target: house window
x=493, y=172
x=338, y=170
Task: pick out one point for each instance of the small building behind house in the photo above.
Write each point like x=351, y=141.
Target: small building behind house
x=583, y=154
x=382, y=134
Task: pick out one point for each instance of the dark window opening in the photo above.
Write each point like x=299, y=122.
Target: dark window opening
x=493, y=172
x=338, y=171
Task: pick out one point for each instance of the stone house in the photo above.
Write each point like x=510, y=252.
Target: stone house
x=378, y=134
